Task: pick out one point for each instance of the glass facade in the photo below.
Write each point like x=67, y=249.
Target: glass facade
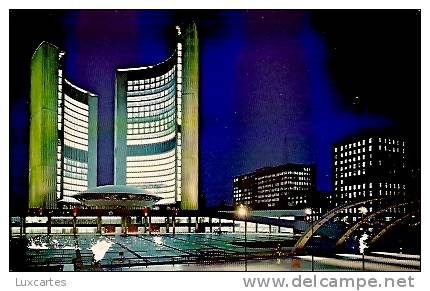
x=75, y=168
x=149, y=127
x=79, y=139
x=152, y=139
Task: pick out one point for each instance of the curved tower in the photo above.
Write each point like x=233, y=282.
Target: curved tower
x=156, y=125
x=63, y=132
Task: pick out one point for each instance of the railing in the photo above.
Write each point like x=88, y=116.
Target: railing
x=50, y=257
x=203, y=256
x=146, y=261
x=43, y=258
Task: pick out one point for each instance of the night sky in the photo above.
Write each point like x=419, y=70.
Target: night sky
x=275, y=86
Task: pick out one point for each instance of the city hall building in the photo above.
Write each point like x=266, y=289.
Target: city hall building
x=156, y=124
x=63, y=132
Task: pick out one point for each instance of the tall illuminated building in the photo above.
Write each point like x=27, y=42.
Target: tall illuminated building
x=63, y=132
x=156, y=124
x=366, y=167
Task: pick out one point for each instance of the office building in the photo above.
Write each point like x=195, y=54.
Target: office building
x=288, y=186
x=156, y=124
x=63, y=132
x=367, y=167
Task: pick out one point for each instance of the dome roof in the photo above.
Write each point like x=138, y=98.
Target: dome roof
x=113, y=196
x=68, y=199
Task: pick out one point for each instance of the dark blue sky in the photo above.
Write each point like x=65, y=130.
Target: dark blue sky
x=275, y=86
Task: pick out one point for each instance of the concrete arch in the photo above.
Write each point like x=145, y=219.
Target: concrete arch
x=390, y=226
x=347, y=234
x=300, y=244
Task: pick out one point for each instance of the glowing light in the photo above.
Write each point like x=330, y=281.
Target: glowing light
x=363, y=245
x=35, y=246
x=242, y=211
x=100, y=248
x=158, y=240
x=363, y=210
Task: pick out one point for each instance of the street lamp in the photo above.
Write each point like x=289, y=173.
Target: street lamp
x=242, y=211
x=75, y=214
x=308, y=211
x=175, y=213
x=145, y=221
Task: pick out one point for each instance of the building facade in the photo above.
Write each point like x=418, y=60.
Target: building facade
x=63, y=132
x=288, y=186
x=156, y=124
x=367, y=167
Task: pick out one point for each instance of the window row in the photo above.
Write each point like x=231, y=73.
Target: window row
x=393, y=149
x=354, y=159
x=75, y=145
x=69, y=189
x=75, y=136
x=152, y=169
x=149, y=163
x=150, y=138
x=73, y=169
x=353, y=145
x=352, y=173
x=286, y=173
x=154, y=85
x=74, y=163
x=271, y=185
x=148, y=174
x=152, y=179
x=151, y=158
x=152, y=80
x=75, y=130
x=76, y=103
x=147, y=100
x=151, y=124
x=75, y=118
x=283, y=180
x=354, y=152
x=150, y=94
x=169, y=110
x=75, y=182
x=145, y=111
x=390, y=141
x=76, y=124
x=167, y=116
x=74, y=175
x=291, y=187
x=75, y=139
x=352, y=166
x=73, y=110
x=132, y=133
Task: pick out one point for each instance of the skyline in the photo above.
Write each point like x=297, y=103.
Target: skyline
x=288, y=63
